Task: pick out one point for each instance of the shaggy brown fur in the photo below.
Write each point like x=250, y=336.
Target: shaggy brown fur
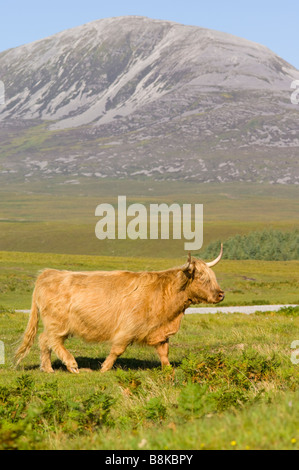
x=119, y=307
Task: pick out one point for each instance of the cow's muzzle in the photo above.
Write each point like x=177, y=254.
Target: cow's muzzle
x=221, y=296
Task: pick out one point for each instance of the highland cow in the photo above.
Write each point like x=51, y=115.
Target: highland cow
x=118, y=307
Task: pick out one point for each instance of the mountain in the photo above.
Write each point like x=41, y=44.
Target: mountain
x=132, y=97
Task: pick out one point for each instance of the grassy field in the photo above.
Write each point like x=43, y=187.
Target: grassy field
x=247, y=282
x=61, y=218
x=232, y=385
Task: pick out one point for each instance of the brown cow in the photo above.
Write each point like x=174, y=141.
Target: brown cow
x=120, y=307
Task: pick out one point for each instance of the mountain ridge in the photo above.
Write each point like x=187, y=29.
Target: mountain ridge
x=148, y=98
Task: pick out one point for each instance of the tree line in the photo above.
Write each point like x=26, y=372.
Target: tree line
x=270, y=245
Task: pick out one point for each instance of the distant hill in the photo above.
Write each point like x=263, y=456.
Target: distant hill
x=132, y=97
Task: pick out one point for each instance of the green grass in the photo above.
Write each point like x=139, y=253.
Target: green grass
x=232, y=385
x=248, y=282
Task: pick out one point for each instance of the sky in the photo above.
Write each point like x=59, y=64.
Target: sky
x=273, y=23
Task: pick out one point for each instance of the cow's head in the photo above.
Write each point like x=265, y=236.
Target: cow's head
x=202, y=285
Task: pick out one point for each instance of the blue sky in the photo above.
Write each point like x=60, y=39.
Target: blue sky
x=272, y=23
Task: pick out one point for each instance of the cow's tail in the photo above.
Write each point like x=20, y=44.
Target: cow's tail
x=30, y=333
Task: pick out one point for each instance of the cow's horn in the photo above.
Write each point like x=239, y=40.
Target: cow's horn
x=187, y=265
x=212, y=263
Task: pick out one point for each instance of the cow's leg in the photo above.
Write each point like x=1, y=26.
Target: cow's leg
x=163, y=349
x=159, y=338
x=45, y=353
x=63, y=354
x=116, y=351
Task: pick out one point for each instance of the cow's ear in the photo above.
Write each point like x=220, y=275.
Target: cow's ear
x=189, y=267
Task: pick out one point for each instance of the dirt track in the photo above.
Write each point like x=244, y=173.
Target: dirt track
x=247, y=309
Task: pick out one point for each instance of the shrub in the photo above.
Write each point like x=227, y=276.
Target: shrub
x=216, y=369
x=289, y=311
x=28, y=409
x=155, y=410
